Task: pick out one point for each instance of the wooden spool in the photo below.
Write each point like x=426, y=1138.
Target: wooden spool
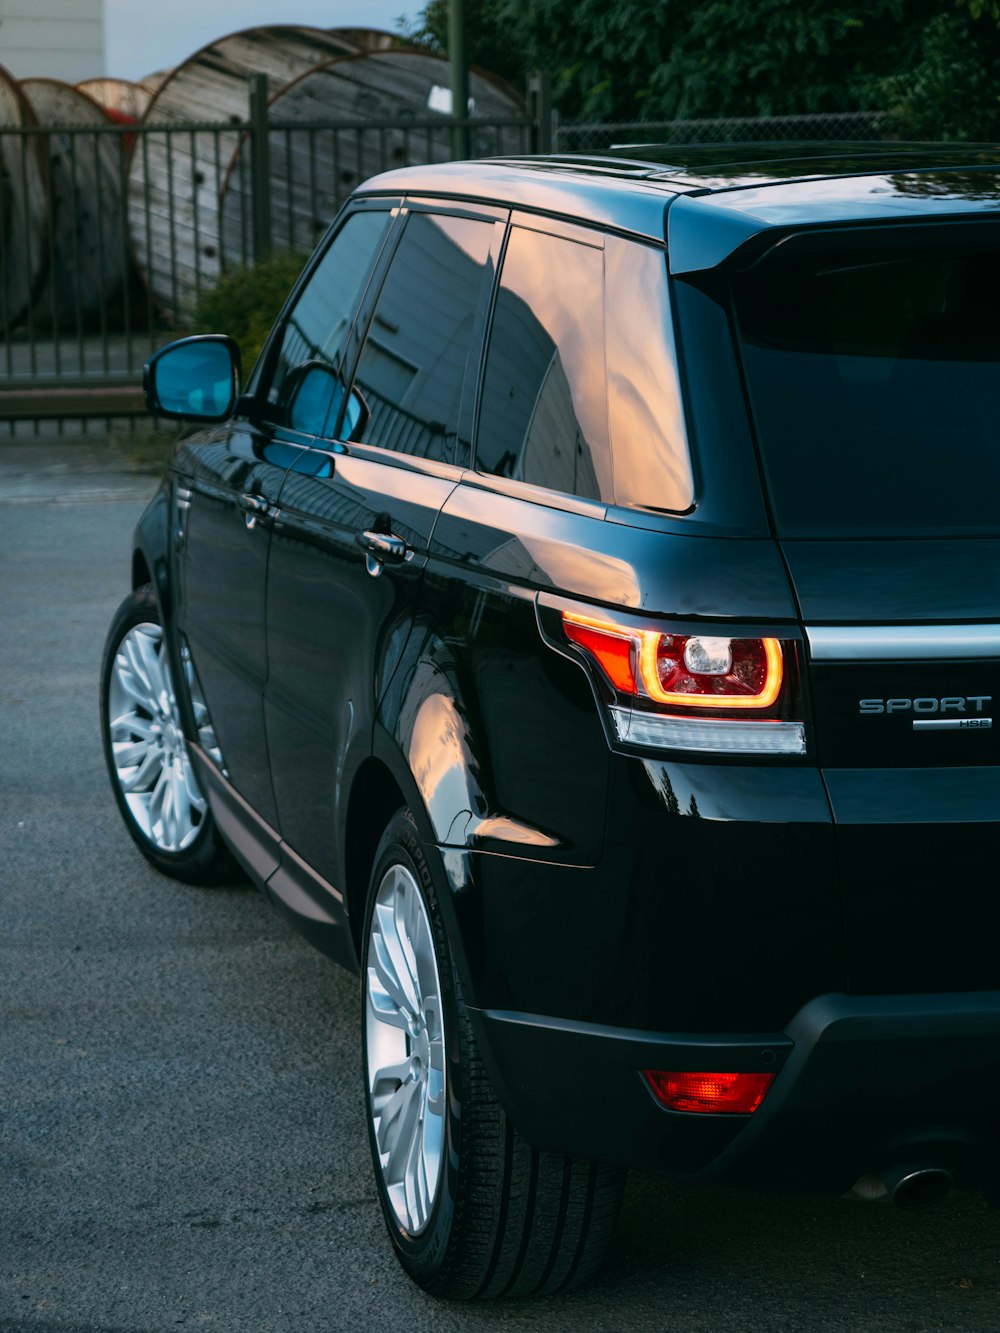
x=175, y=180
x=23, y=207
x=154, y=82
x=313, y=173
x=88, y=259
x=123, y=101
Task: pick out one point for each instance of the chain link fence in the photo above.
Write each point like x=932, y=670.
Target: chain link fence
x=849, y=127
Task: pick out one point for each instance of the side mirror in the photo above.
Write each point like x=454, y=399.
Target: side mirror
x=315, y=392
x=194, y=379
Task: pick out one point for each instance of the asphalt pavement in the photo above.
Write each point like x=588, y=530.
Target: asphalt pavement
x=182, y=1142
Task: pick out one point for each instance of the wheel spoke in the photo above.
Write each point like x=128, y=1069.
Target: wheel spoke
x=394, y=1074
x=396, y=1129
x=196, y=802
x=384, y=1006
x=435, y=1092
x=406, y=919
x=387, y=960
x=131, y=651
x=415, y=1174
x=157, y=800
x=150, y=651
x=130, y=753
x=396, y=929
x=140, y=779
x=132, y=724
x=132, y=683
x=180, y=806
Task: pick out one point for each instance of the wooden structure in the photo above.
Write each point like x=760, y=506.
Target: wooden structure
x=23, y=207
x=123, y=101
x=88, y=259
x=314, y=165
x=175, y=179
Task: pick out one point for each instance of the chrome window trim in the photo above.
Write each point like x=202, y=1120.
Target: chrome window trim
x=902, y=643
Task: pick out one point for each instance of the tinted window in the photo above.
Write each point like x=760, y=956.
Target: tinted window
x=306, y=389
x=652, y=464
x=873, y=384
x=413, y=365
x=544, y=416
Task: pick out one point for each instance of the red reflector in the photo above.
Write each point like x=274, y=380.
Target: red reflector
x=709, y=1094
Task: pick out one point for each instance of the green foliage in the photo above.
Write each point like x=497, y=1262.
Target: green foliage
x=937, y=62
x=245, y=302
x=952, y=88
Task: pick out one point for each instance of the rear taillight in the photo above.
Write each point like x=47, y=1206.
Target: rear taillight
x=708, y=1093
x=706, y=692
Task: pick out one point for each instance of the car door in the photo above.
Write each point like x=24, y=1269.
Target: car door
x=231, y=478
x=351, y=540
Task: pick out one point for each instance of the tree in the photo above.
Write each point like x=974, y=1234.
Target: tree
x=936, y=62
x=491, y=44
x=952, y=88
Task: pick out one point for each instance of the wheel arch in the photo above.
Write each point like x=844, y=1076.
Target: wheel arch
x=375, y=798
x=141, y=572
x=151, y=550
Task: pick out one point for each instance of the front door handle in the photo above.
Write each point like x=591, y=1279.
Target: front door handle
x=382, y=548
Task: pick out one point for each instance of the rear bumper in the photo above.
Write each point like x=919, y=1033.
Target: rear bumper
x=861, y=1082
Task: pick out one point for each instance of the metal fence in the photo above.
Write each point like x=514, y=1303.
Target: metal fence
x=846, y=128
x=109, y=236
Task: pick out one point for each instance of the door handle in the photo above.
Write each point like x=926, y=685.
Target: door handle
x=255, y=507
x=382, y=548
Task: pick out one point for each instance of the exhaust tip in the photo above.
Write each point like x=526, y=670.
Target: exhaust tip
x=919, y=1186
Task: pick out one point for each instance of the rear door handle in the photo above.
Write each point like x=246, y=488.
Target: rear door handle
x=255, y=507
x=382, y=548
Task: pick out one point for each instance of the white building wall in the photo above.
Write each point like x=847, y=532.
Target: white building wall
x=55, y=39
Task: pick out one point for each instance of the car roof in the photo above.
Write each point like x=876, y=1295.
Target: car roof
x=710, y=200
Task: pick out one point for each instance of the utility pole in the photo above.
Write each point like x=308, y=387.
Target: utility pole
x=459, y=58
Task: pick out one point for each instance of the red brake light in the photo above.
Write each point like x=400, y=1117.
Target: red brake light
x=682, y=670
x=708, y=1094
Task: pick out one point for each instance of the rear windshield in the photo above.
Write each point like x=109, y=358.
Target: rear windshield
x=873, y=385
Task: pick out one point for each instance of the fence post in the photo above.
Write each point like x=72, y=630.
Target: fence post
x=540, y=109
x=260, y=158
x=458, y=56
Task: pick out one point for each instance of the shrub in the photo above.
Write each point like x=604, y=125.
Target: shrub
x=245, y=302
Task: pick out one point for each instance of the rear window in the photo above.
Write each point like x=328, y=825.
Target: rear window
x=873, y=387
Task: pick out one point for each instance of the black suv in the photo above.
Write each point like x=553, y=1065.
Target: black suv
x=586, y=624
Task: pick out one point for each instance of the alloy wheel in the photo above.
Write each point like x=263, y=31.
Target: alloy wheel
x=404, y=1035
x=149, y=751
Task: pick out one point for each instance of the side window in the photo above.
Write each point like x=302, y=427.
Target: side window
x=544, y=414
x=306, y=388
x=413, y=365
x=648, y=435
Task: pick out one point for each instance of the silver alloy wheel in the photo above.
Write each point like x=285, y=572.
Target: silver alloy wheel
x=404, y=1036
x=150, y=754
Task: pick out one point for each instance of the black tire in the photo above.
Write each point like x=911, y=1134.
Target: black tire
x=508, y=1220
x=205, y=860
